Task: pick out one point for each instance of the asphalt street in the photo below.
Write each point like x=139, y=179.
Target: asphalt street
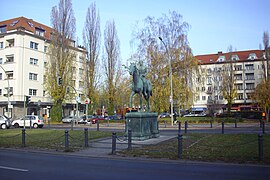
x=28, y=165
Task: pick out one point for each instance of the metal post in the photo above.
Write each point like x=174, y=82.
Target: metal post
x=211, y=124
x=164, y=123
x=72, y=125
x=260, y=146
x=263, y=127
x=86, y=137
x=222, y=125
x=113, y=143
x=179, y=127
x=180, y=145
x=66, y=141
x=235, y=123
x=129, y=139
x=23, y=137
x=49, y=123
x=186, y=124
x=97, y=125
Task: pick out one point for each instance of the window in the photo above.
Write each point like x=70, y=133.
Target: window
x=220, y=97
x=32, y=76
x=10, y=58
x=238, y=67
x=209, y=80
x=203, y=88
x=239, y=86
x=249, y=67
x=3, y=29
x=9, y=74
x=81, y=84
x=197, y=88
x=40, y=32
x=240, y=96
x=238, y=76
x=81, y=71
x=0, y=92
x=209, y=98
x=209, y=70
x=33, y=45
x=197, y=98
x=1, y=60
x=209, y=89
x=1, y=76
x=33, y=61
x=45, y=48
x=203, y=98
x=10, y=42
x=32, y=92
x=249, y=95
x=250, y=86
x=80, y=58
x=249, y=76
x=1, y=45
x=220, y=78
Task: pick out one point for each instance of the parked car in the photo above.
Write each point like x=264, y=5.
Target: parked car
x=96, y=119
x=29, y=120
x=195, y=115
x=113, y=117
x=5, y=123
x=164, y=115
x=68, y=119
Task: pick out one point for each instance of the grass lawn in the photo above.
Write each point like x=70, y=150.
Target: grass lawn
x=236, y=148
x=47, y=139
x=206, y=120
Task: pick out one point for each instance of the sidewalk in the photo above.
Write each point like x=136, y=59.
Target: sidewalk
x=103, y=147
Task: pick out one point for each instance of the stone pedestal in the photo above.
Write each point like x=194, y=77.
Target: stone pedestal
x=143, y=125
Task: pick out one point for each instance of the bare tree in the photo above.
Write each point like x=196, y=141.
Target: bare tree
x=61, y=55
x=228, y=82
x=111, y=62
x=91, y=37
x=173, y=31
x=266, y=66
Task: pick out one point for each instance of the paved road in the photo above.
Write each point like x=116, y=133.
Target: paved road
x=26, y=165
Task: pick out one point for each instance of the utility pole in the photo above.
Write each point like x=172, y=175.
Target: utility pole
x=170, y=69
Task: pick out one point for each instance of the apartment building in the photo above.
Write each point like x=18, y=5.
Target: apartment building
x=248, y=73
x=23, y=56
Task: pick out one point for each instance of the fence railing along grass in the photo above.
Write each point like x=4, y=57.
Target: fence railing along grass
x=47, y=139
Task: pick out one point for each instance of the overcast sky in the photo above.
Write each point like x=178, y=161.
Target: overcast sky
x=215, y=24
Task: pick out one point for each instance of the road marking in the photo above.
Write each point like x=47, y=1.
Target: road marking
x=14, y=169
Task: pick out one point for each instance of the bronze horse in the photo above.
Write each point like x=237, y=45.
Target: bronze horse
x=140, y=86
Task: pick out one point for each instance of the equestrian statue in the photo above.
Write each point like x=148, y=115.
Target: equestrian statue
x=140, y=85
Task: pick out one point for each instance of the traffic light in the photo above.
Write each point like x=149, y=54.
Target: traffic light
x=27, y=99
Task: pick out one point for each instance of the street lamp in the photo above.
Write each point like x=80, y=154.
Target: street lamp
x=7, y=90
x=170, y=69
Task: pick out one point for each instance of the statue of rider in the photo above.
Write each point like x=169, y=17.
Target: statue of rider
x=142, y=71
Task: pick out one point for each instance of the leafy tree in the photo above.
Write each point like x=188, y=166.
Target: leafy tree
x=173, y=31
x=111, y=63
x=262, y=90
x=91, y=37
x=61, y=55
x=261, y=96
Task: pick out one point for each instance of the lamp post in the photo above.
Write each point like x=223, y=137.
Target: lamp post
x=7, y=90
x=170, y=69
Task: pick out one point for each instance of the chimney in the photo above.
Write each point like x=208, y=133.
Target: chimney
x=219, y=53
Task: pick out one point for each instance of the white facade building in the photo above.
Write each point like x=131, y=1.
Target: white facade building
x=248, y=73
x=23, y=48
